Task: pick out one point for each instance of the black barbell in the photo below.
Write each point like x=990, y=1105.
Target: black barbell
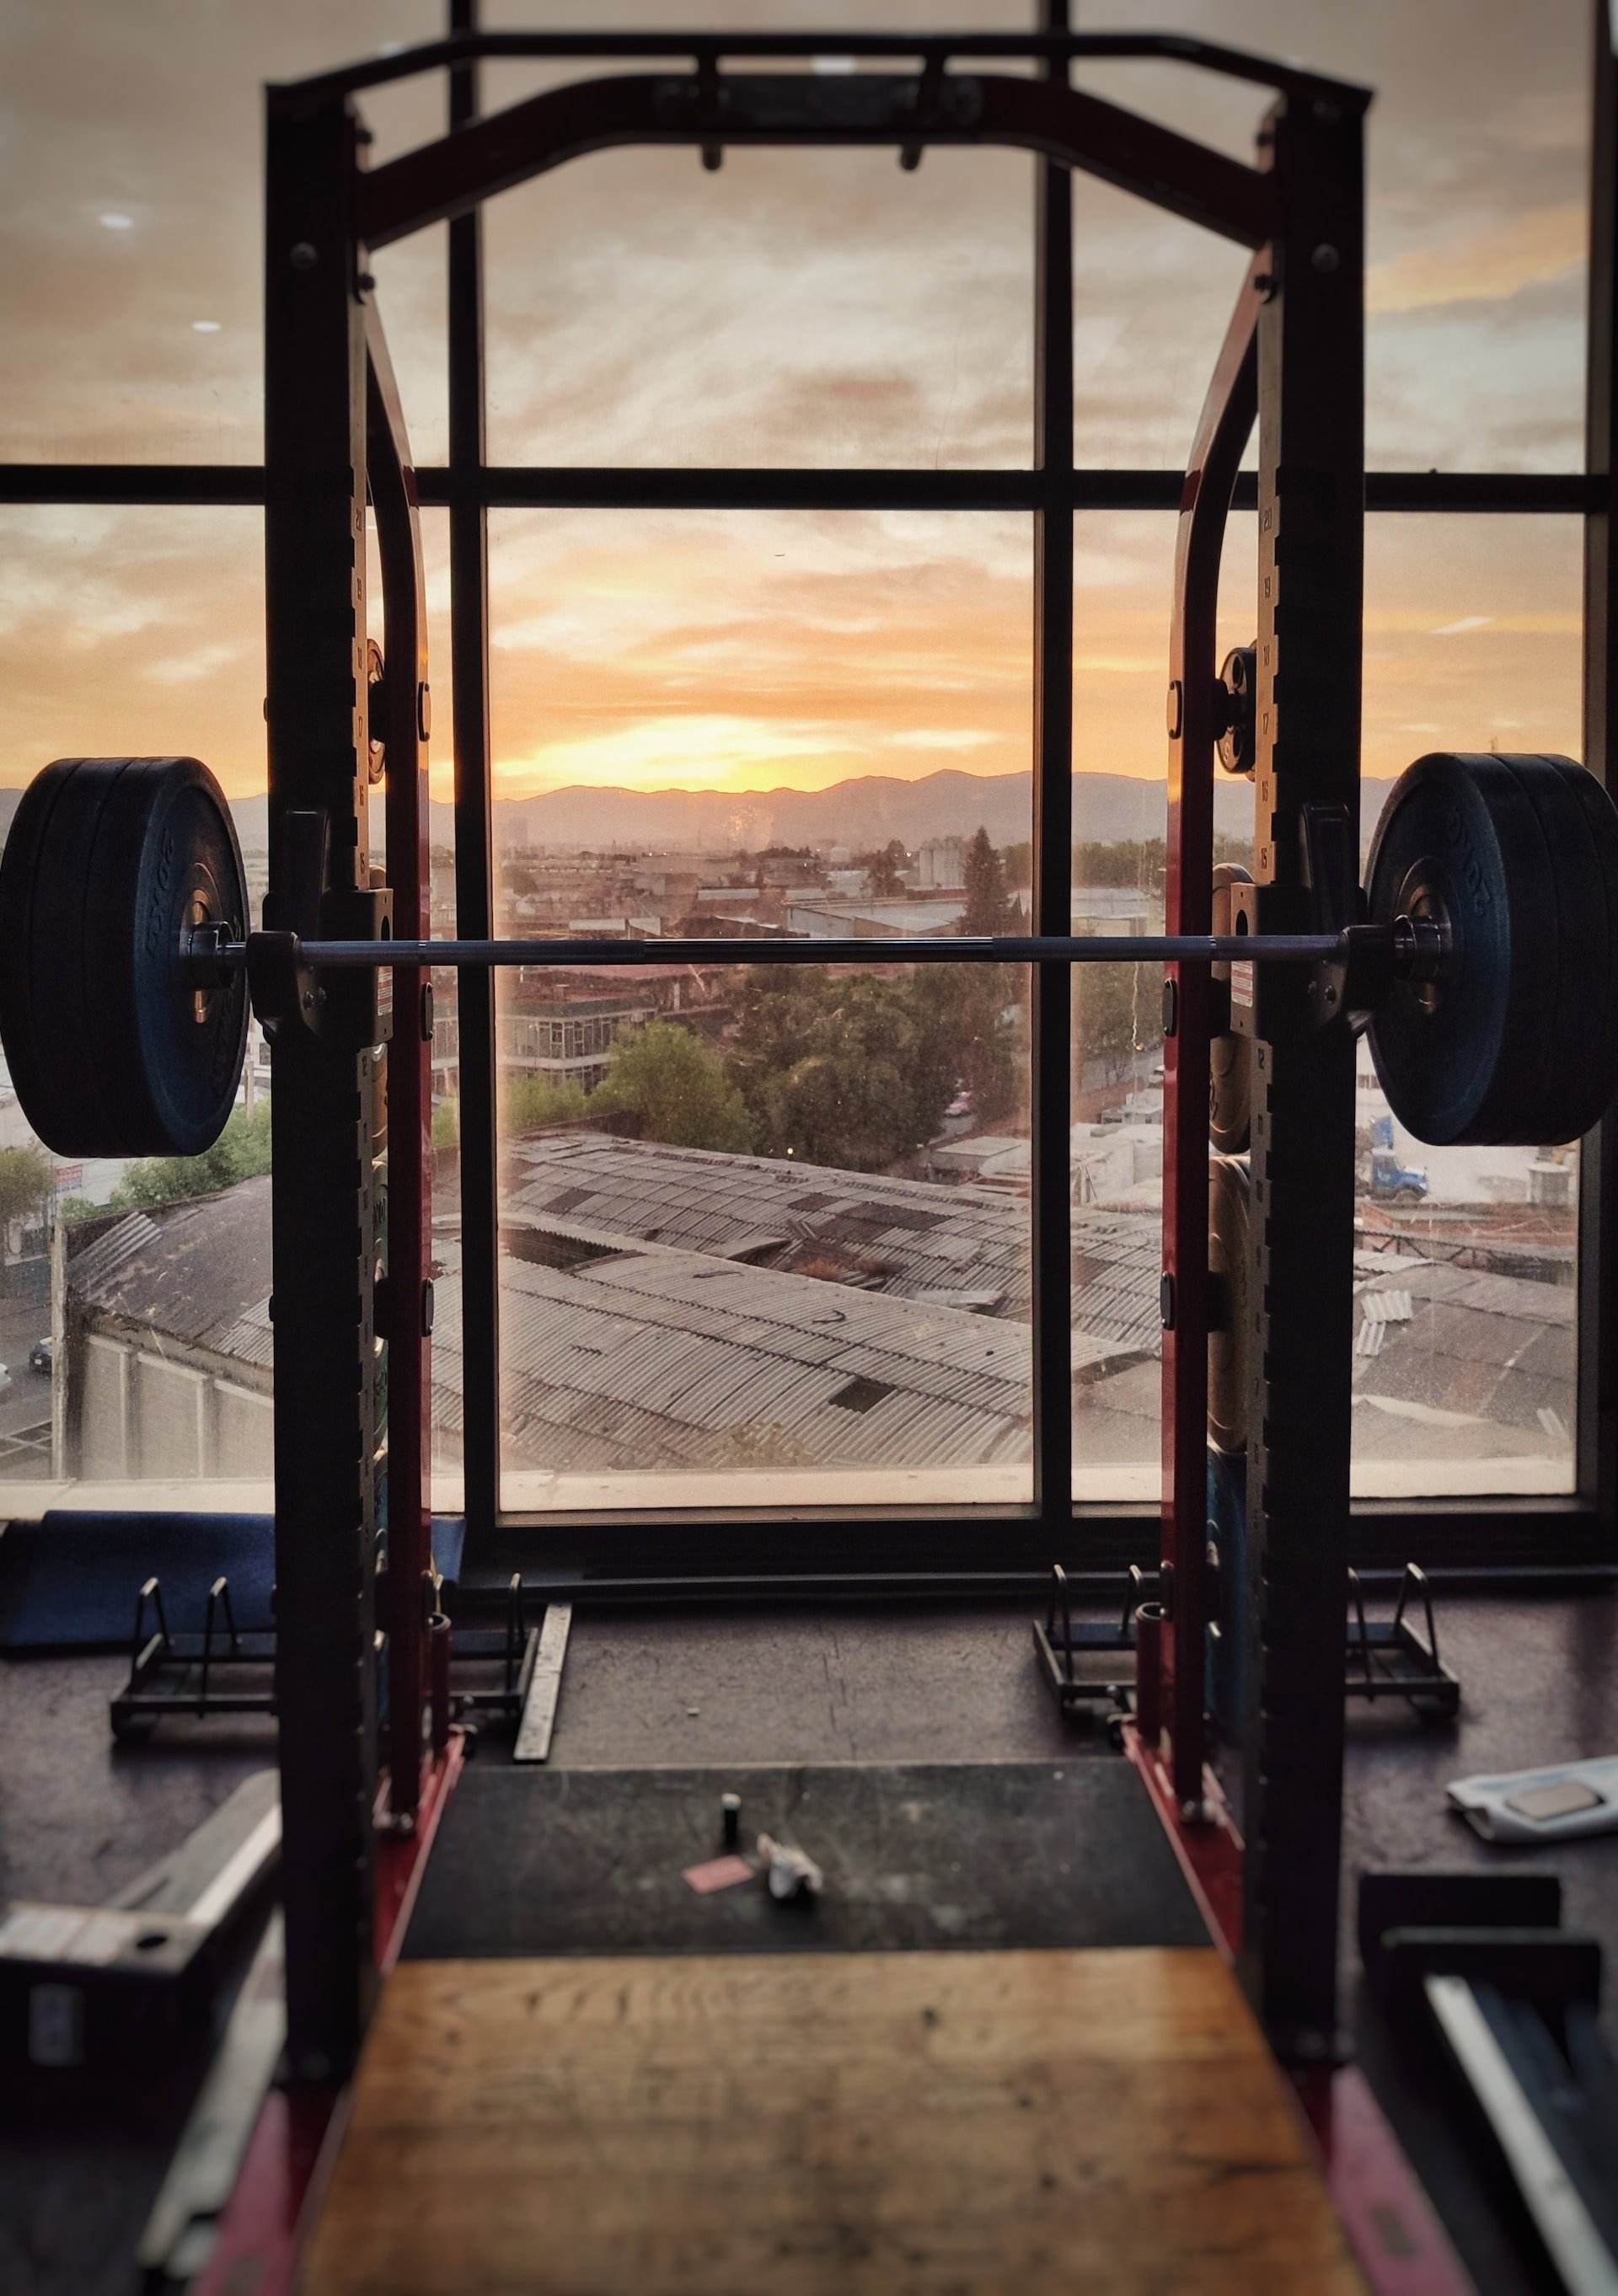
x=1481, y=965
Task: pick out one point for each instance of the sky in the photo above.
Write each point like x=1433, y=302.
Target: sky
x=795, y=309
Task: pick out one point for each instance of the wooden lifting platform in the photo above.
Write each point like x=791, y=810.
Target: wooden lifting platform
x=727, y=2124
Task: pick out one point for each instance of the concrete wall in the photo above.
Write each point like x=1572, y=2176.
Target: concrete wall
x=139, y=1416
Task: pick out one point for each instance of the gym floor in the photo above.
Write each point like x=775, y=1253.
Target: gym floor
x=681, y=1688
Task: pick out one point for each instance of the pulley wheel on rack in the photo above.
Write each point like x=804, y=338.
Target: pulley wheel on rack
x=1517, y=856
x=1235, y=704
x=1230, y=1055
x=115, y=1048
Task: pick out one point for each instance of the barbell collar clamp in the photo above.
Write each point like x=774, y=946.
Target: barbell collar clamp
x=1424, y=947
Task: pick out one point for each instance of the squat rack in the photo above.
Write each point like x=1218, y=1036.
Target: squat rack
x=350, y=1235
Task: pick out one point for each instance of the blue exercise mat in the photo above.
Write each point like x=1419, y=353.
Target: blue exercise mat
x=70, y=1581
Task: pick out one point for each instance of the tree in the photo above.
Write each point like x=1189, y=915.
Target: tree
x=1117, y=1009
x=842, y=1068
x=1142, y=861
x=885, y=880
x=447, y=1122
x=989, y=904
x=26, y=1180
x=978, y=1027
x=532, y=1102
x=241, y=1152
x=1018, y=863
x=678, y=1087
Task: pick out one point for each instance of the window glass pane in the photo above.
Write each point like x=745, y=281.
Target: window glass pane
x=1151, y=298
x=1471, y=637
x=1123, y=577
x=809, y=308
x=1122, y=570
x=762, y=1227
x=1476, y=217
x=695, y=677
x=798, y=307
x=1465, y=1314
x=1472, y=642
x=139, y=633
x=131, y=217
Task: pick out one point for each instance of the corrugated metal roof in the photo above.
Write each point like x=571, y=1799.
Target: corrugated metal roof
x=644, y=1351
x=92, y=1265
x=901, y=1237
x=665, y=1358
x=193, y=1270
x=1494, y=1347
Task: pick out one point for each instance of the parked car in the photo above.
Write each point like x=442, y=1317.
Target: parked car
x=961, y=1105
x=40, y=1355
x=5, y=1379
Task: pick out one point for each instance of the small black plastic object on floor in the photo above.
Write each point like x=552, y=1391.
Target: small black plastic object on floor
x=1474, y=1971
x=115, y=1047
x=1517, y=857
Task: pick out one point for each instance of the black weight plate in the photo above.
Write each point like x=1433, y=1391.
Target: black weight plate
x=1602, y=815
x=1230, y=1055
x=1455, y=1062
x=1576, y=1078
x=1594, y=1047
x=131, y=1059
x=73, y=1116
x=46, y=1089
x=166, y=855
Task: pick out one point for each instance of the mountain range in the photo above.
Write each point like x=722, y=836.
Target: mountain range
x=860, y=813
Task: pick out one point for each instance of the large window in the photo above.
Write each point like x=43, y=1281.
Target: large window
x=768, y=1237
x=762, y=1232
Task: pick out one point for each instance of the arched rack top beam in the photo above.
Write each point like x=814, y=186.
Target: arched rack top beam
x=936, y=50
x=1172, y=171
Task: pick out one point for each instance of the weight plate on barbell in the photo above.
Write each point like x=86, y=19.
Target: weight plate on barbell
x=115, y=1049
x=1506, y=851
x=1230, y=1306
x=1229, y=1056
x=1581, y=830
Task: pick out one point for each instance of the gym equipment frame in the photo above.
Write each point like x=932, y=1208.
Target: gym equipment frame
x=1293, y=361
x=1292, y=357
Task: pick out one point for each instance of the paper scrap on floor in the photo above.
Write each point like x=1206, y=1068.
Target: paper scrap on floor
x=717, y=1874
x=1556, y=1804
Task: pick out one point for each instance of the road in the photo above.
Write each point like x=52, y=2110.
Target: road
x=25, y=1405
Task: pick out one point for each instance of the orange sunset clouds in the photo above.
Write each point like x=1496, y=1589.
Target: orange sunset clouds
x=794, y=309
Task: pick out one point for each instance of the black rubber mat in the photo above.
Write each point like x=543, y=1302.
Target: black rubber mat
x=915, y=1856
